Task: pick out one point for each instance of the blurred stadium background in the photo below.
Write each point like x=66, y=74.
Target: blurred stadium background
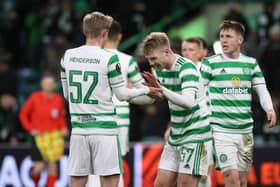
x=34, y=34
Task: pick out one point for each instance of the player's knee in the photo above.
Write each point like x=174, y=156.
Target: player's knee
x=188, y=181
x=159, y=182
x=231, y=178
x=243, y=183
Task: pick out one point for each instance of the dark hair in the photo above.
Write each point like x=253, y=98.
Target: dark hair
x=203, y=42
x=236, y=26
x=114, y=30
x=48, y=74
x=194, y=40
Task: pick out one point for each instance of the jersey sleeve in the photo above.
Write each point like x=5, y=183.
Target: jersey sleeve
x=63, y=78
x=206, y=72
x=25, y=112
x=257, y=77
x=134, y=75
x=189, y=77
x=114, y=72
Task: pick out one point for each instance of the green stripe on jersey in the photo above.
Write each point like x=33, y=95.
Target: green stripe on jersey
x=183, y=113
x=258, y=74
x=231, y=115
x=197, y=159
x=113, y=60
x=228, y=77
x=123, y=115
x=190, y=78
x=239, y=103
x=233, y=126
x=114, y=73
x=132, y=74
x=205, y=74
x=175, y=88
x=230, y=64
x=188, y=65
x=167, y=74
x=97, y=124
x=131, y=62
x=190, y=132
x=189, y=122
x=206, y=62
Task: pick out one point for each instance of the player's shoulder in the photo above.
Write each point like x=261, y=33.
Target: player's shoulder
x=95, y=49
x=182, y=60
x=107, y=52
x=214, y=58
x=248, y=59
x=73, y=50
x=121, y=55
x=185, y=62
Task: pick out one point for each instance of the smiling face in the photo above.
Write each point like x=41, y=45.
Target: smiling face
x=231, y=42
x=156, y=48
x=158, y=58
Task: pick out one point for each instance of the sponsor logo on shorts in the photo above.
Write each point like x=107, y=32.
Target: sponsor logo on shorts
x=223, y=158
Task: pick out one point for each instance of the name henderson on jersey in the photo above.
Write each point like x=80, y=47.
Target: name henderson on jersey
x=85, y=60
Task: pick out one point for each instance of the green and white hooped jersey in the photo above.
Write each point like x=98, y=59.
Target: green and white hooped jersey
x=187, y=126
x=130, y=72
x=230, y=83
x=91, y=72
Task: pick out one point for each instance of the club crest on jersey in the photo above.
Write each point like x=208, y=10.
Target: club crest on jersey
x=235, y=81
x=246, y=70
x=118, y=67
x=235, y=89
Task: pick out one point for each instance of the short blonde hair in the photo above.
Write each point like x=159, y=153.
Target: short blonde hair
x=154, y=41
x=94, y=23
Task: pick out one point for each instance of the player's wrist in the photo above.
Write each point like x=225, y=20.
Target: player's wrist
x=146, y=90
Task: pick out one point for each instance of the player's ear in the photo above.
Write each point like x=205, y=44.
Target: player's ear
x=119, y=37
x=240, y=39
x=104, y=33
x=167, y=51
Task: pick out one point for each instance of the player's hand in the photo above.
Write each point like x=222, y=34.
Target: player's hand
x=154, y=92
x=167, y=133
x=152, y=81
x=271, y=117
x=35, y=132
x=65, y=132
